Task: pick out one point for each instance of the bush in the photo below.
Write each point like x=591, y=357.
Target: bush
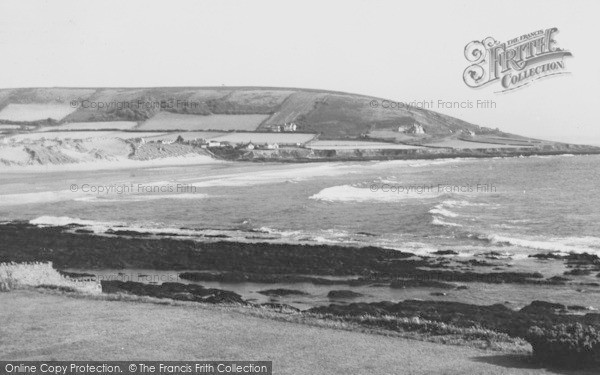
x=572, y=345
x=23, y=275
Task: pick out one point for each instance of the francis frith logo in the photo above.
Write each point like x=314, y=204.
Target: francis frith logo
x=515, y=63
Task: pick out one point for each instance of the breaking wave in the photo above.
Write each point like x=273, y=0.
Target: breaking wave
x=350, y=193
x=438, y=221
x=560, y=245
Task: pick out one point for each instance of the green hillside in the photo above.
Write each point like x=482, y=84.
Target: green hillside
x=333, y=115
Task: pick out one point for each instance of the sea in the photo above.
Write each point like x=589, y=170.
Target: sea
x=513, y=206
x=509, y=207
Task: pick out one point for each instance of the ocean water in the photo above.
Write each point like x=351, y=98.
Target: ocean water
x=516, y=206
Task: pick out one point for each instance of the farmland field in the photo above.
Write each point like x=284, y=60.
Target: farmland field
x=358, y=145
x=457, y=143
x=80, y=135
x=282, y=138
x=507, y=141
x=9, y=127
x=297, y=104
x=259, y=98
x=112, y=125
x=188, y=136
x=176, y=121
x=35, y=112
x=391, y=134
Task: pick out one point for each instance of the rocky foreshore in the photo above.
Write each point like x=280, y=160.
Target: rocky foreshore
x=320, y=265
x=242, y=262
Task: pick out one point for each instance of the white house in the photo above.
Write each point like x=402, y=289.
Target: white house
x=272, y=146
x=249, y=146
x=290, y=127
x=214, y=144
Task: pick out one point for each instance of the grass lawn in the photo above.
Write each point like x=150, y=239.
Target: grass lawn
x=42, y=326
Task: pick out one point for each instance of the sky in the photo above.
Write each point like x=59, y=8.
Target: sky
x=400, y=50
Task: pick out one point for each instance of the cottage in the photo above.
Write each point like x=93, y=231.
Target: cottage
x=214, y=144
x=272, y=146
x=274, y=128
x=290, y=127
x=416, y=128
x=249, y=146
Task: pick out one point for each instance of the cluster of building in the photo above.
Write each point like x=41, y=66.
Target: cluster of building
x=286, y=127
x=415, y=128
x=207, y=143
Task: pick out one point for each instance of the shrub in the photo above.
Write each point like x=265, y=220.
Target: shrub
x=36, y=274
x=572, y=345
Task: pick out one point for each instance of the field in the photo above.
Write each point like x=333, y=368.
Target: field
x=281, y=138
x=508, y=141
x=299, y=103
x=176, y=121
x=111, y=125
x=9, y=127
x=35, y=112
x=358, y=145
x=259, y=98
x=460, y=144
x=77, y=328
x=80, y=135
x=391, y=135
x=188, y=136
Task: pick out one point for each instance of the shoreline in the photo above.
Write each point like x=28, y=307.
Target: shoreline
x=196, y=159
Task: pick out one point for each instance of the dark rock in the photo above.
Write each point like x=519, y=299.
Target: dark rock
x=280, y=307
x=445, y=252
x=478, y=263
x=578, y=272
x=343, y=294
x=122, y=232
x=542, y=307
x=494, y=255
x=496, y=317
x=558, y=280
x=413, y=283
x=367, y=234
x=77, y=275
x=438, y=294
x=176, y=291
x=583, y=259
x=282, y=292
x=576, y=307
x=547, y=256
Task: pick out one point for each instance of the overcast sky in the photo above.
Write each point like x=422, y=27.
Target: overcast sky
x=401, y=50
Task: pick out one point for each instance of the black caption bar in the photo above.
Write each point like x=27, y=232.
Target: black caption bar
x=136, y=367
